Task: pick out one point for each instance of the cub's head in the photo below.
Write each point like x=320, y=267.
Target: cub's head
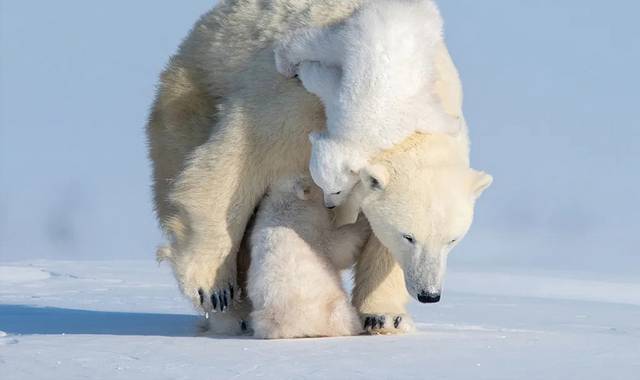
x=333, y=167
x=301, y=186
x=420, y=206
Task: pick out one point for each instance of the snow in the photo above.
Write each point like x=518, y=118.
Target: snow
x=126, y=319
x=560, y=202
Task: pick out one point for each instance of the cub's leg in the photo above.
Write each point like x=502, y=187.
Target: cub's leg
x=321, y=80
x=342, y=318
x=323, y=45
x=379, y=293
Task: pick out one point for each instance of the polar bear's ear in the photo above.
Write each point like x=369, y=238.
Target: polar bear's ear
x=479, y=182
x=374, y=177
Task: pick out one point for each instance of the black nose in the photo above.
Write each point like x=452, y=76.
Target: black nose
x=330, y=207
x=426, y=297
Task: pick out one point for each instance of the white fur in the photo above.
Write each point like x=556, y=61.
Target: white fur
x=374, y=75
x=334, y=166
x=225, y=126
x=294, y=283
x=421, y=239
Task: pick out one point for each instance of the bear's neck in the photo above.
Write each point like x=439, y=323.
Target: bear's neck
x=436, y=149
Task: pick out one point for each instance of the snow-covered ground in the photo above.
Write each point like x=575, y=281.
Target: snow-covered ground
x=126, y=320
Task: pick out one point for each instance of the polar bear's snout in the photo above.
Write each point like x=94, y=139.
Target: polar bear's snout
x=425, y=273
x=428, y=297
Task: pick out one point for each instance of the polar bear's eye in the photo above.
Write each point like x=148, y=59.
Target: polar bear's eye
x=409, y=238
x=453, y=241
x=337, y=193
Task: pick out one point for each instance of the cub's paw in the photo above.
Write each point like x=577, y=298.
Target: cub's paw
x=210, y=286
x=224, y=324
x=375, y=324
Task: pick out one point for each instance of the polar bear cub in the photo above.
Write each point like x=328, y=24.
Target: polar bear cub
x=374, y=76
x=294, y=282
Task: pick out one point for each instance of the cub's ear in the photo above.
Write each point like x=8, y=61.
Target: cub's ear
x=374, y=177
x=479, y=182
x=302, y=188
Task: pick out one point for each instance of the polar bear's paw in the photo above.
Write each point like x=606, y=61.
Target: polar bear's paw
x=376, y=324
x=218, y=299
x=210, y=286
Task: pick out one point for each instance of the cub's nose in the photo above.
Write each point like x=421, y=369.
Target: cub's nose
x=426, y=297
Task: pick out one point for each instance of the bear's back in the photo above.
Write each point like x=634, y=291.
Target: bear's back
x=237, y=35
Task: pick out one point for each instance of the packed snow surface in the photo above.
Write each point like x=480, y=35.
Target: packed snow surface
x=127, y=320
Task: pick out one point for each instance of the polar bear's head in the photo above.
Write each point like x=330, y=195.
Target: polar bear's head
x=334, y=166
x=420, y=204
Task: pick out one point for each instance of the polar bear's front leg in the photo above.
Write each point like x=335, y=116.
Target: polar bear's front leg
x=215, y=196
x=380, y=294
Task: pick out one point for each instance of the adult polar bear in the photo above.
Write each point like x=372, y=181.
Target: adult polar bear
x=225, y=125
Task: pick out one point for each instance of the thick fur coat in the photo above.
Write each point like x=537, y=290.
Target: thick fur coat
x=374, y=73
x=226, y=125
x=294, y=280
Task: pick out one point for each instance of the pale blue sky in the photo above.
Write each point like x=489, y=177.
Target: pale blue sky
x=550, y=98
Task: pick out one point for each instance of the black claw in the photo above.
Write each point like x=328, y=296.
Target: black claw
x=374, y=322
x=231, y=291
x=243, y=325
x=396, y=321
x=214, y=301
x=223, y=303
x=381, y=321
x=201, y=295
x=226, y=299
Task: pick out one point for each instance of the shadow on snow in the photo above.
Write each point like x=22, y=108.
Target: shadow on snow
x=21, y=319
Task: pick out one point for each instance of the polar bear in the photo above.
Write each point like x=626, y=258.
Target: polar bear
x=421, y=241
x=380, y=92
x=225, y=125
x=294, y=281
